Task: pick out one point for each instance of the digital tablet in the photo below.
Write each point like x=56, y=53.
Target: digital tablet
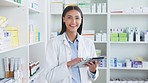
x=82, y=63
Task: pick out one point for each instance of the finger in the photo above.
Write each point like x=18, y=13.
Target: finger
x=80, y=59
x=96, y=62
x=88, y=64
x=92, y=63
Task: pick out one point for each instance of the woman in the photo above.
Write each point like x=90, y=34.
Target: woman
x=68, y=49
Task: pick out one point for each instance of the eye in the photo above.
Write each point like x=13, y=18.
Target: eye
x=69, y=17
x=77, y=18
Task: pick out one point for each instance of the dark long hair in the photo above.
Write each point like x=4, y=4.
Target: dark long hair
x=68, y=8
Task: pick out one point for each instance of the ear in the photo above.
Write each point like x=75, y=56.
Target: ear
x=63, y=19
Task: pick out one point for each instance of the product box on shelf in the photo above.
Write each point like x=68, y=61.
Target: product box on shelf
x=89, y=34
x=34, y=67
x=14, y=36
x=123, y=37
x=3, y=21
x=114, y=37
x=13, y=69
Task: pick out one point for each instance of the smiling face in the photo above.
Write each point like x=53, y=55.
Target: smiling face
x=72, y=21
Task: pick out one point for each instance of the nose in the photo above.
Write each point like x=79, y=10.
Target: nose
x=73, y=20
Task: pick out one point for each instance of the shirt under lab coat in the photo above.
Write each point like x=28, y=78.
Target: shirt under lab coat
x=58, y=53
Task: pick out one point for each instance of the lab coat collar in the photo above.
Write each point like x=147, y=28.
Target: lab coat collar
x=65, y=40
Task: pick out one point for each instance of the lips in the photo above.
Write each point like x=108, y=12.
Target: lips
x=73, y=26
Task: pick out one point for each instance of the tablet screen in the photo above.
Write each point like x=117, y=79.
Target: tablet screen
x=82, y=63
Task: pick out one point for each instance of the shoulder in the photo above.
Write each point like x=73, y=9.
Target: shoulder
x=55, y=41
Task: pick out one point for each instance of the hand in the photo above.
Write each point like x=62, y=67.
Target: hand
x=74, y=61
x=92, y=66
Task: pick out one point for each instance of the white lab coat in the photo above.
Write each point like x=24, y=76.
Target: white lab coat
x=58, y=53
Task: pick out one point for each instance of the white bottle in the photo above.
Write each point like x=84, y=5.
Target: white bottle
x=99, y=8
x=104, y=8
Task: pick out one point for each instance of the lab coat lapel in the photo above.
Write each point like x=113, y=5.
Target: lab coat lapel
x=67, y=48
x=65, y=40
x=80, y=47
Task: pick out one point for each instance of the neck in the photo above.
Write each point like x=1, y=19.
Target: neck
x=71, y=36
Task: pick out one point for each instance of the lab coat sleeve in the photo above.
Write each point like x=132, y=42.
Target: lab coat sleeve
x=55, y=72
x=93, y=76
x=93, y=54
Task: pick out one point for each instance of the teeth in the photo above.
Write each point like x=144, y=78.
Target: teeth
x=72, y=25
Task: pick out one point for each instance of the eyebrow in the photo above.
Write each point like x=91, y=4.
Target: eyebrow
x=75, y=16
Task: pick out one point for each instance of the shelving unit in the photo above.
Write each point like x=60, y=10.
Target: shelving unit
x=20, y=15
x=37, y=17
x=123, y=50
x=107, y=21
x=128, y=49
x=17, y=16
